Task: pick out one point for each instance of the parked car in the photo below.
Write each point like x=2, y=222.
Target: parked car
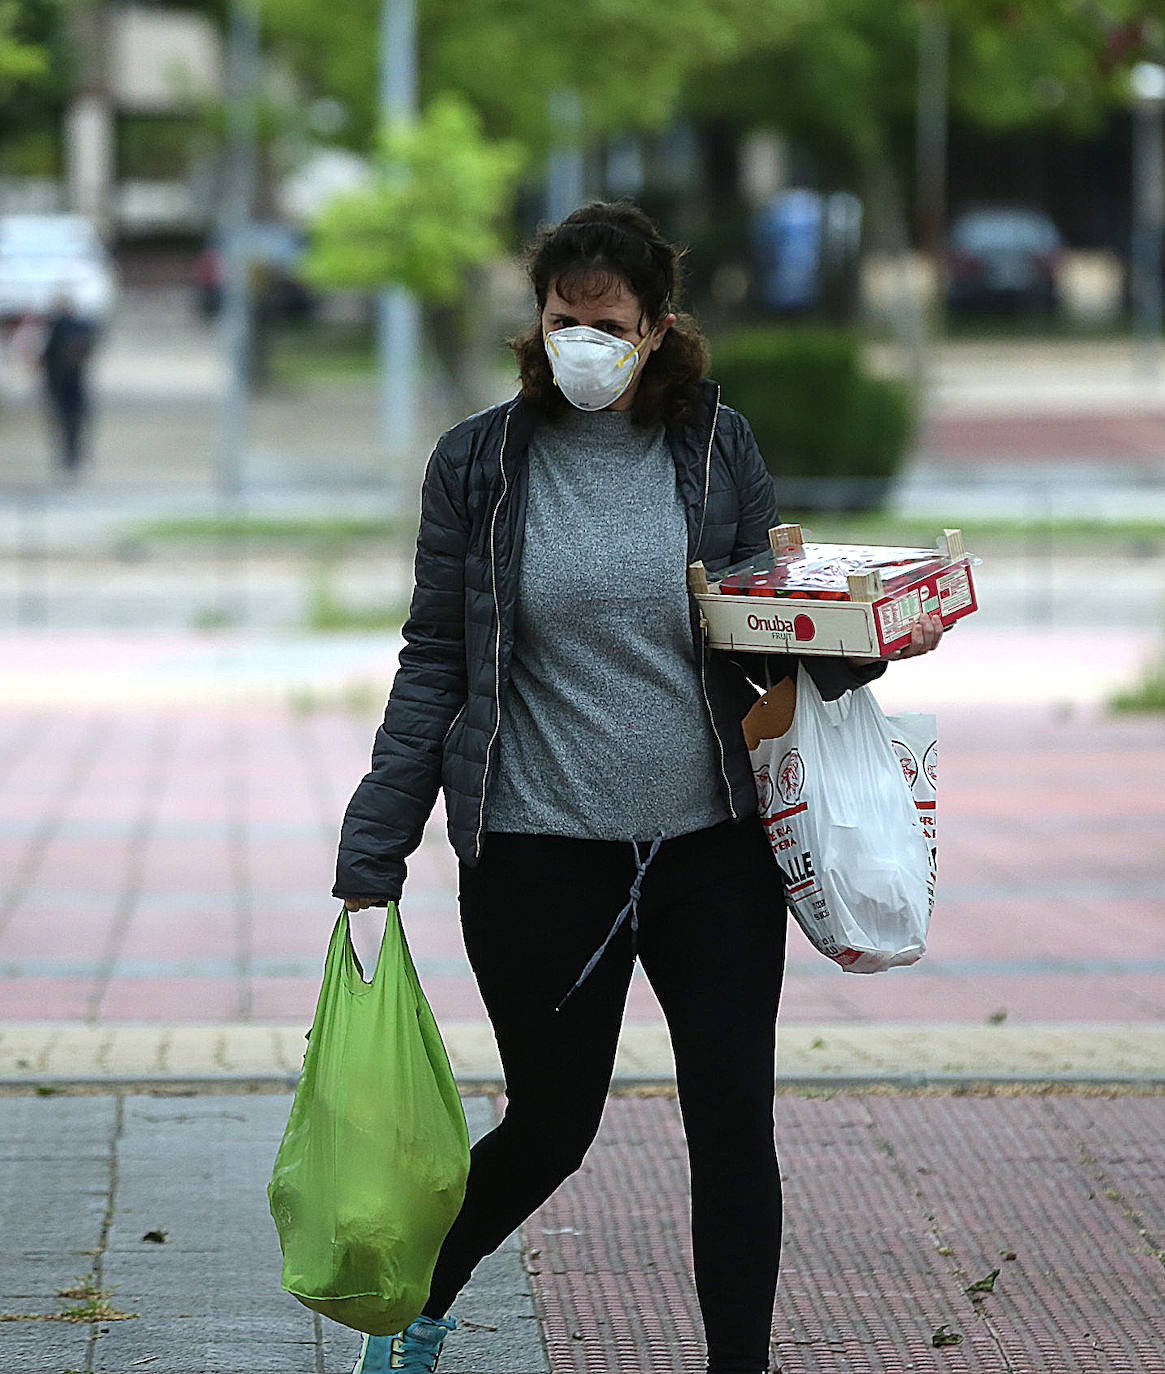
x=45, y=256
x=1003, y=257
x=274, y=252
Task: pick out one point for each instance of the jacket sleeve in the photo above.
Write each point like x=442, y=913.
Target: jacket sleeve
x=387, y=813
x=834, y=676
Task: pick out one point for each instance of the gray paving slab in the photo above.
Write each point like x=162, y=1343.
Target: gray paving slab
x=196, y=1168
x=55, y=1171
x=83, y=1179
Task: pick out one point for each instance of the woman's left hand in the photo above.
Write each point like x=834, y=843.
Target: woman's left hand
x=925, y=635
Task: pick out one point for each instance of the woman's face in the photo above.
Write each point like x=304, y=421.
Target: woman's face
x=616, y=311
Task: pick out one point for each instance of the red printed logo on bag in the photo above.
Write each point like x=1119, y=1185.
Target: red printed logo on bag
x=907, y=760
x=791, y=777
x=930, y=764
x=764, y=789
x=803, y=627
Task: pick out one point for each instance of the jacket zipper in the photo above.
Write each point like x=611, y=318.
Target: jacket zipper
x=708, y=471
x=702, y=645
x=493, y=568
x=453, y=722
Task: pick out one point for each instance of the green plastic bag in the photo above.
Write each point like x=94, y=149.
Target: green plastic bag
x=371, y=1171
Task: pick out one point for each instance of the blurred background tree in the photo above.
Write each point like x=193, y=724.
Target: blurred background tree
x=428, y=218
x=627, y=63
x=429, y=212
x=21, y=59
x=32, y=85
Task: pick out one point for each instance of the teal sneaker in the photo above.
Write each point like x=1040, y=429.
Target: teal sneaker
x=415, y=1350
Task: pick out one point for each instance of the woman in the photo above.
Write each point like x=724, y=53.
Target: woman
x=554, y=681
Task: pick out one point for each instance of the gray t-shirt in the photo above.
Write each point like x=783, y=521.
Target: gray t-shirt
x=604, y=731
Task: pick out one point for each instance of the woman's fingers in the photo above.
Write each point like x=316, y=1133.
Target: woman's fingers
x=925, y=635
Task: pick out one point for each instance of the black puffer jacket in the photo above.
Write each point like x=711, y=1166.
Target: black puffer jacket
x=441, y=722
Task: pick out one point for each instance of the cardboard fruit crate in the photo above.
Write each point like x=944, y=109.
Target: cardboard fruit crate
x=859, y=600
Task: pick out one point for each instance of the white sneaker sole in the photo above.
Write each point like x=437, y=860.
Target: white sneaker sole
x=357, y=1368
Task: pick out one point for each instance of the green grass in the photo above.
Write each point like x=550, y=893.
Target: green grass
x=1069, y=534
x=83, y=1302
x=1147, y=694
x=324, y=364
x=331, y=533
x=212, y=618
x=327, y=612
x=327, y=533
x=358, y=699
x=322, y=351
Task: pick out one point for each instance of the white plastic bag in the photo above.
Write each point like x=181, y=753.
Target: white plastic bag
x=915, y=741
x=845, y=829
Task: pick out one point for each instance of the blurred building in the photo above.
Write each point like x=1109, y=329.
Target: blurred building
x=130, y=149
x=129, y=154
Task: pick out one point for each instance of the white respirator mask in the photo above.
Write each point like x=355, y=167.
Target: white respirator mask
x=591, y=368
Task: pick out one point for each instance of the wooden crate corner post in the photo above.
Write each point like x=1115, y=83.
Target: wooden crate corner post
x=782, y=538
x=698, y=579
x=866, y=586
x=952, y=544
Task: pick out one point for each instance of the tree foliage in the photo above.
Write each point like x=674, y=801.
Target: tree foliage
x=841, y=76
x=627, y=62
x=21, y=61
x=428, y=213
x=1042, y=62
x=30, y=60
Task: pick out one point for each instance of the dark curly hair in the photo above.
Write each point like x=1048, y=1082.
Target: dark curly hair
x=591, y=252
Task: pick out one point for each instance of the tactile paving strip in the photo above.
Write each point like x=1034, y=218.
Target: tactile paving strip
x=895, y=1204
x=611, y=1253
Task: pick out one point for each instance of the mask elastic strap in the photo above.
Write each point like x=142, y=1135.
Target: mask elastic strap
x=634, y=352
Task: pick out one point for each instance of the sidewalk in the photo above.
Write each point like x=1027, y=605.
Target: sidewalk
x=155, y=1207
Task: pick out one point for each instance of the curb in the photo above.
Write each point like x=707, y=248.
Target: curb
x=234, y=1056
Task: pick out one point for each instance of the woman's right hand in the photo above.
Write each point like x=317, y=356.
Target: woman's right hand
x=360, y=903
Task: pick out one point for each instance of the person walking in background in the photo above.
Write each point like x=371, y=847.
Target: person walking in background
x=555, y=681
x=65, y=354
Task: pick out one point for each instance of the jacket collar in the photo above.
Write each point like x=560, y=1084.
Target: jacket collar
x=521, y=420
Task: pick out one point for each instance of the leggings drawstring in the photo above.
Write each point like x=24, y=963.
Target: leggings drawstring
x=631, y=909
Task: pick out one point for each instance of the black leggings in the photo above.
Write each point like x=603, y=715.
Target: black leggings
x=711, y=939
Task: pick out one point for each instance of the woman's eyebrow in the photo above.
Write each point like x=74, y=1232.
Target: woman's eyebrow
x=558, y=316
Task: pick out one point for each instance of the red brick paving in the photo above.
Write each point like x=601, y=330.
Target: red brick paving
x=985, y=439
x=893, y=1206
x=164, y=835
